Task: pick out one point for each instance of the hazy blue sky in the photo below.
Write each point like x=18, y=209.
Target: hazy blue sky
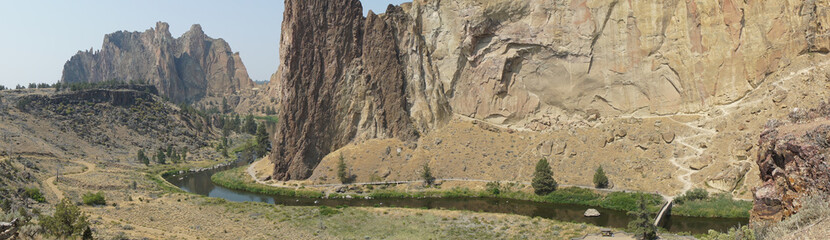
x=39, y=36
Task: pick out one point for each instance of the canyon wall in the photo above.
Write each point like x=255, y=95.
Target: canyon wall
x=534, y=65
x=185, y=69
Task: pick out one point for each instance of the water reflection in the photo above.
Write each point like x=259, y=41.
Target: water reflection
x=200, y=183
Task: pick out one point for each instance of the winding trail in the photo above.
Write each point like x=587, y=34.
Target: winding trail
x=50, y=184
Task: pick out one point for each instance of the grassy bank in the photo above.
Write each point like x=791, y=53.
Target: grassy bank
x=238, y=179
x=717, y=206
x=573, y=195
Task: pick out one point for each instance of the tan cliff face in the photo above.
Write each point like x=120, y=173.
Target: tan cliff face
x=185, y=69
x=539, y=65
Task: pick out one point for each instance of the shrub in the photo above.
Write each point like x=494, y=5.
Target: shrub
x=543, y=182
x=94, y=199
x=692, y=195
x=600, y=180
x=67, y=221
x=493, y=188
x=741, y=233
x=426, y=175
x=35, y=194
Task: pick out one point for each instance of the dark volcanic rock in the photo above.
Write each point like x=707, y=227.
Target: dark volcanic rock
x=184, y=69
x=340, y=80
x=793, y=164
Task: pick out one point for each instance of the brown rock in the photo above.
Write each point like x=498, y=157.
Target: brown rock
x=668, y=136
x=792, y=162
x=341, y=80
x=184, y=69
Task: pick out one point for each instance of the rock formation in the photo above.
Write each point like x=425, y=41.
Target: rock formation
x=523, y=64
x=793, y=163
x=184, y=69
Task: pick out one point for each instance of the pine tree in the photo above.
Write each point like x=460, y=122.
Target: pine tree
x=543, y=182
x=142, y=157
x=341, y=170
x=642, y=226
x=169, y=151
x=426, y=174
x=600, y=180
x=225, y=107
x=262, y=140
x=250, y=125
x=160, y=157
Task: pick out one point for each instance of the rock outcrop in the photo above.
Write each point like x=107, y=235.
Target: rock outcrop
x=185, y=69
x=524, y=64
x=793, y=163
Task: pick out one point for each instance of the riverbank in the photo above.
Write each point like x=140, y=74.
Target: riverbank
x=239, y=179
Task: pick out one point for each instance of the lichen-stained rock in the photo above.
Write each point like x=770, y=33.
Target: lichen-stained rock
x=184, y=69
x=793, y=164
x=521, y=64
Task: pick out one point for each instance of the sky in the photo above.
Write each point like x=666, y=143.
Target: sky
x=39, y=36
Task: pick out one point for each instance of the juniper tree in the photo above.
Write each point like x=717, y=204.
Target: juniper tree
x=262, y=140
x=67, y=221
x=642, y=226
x=543, y=182
x=341, y=170
x=142, y=157
x=600, y=180
x=426, y=174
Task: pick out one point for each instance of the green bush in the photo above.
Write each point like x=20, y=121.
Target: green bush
x=67, y=221
x=35, y=194
x=543, y=182
x=493, y=188
x=327, y=211
x=600, y=180
x=692, y=195
x=742, y=233
x=94, y=199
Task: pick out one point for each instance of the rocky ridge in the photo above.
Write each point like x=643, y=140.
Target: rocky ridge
x=793, y=163
x=539, y=65
x=185, y=69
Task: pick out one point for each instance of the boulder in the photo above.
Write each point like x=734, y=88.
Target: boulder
x=591, y=213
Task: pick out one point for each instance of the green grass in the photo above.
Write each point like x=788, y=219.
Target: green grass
x=269, y=119
x=94, y=199
x=236, y=179
x=35, y=194
x=717, y=206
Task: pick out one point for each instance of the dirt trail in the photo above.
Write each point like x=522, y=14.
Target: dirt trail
x=50, y=184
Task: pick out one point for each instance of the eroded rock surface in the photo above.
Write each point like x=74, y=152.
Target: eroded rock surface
x=793, y=163
x=184, y=69
x=536, y=64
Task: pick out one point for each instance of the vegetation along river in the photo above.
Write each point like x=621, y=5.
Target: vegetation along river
x=200, y=183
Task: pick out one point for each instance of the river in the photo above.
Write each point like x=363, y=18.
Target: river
x=200, y=183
